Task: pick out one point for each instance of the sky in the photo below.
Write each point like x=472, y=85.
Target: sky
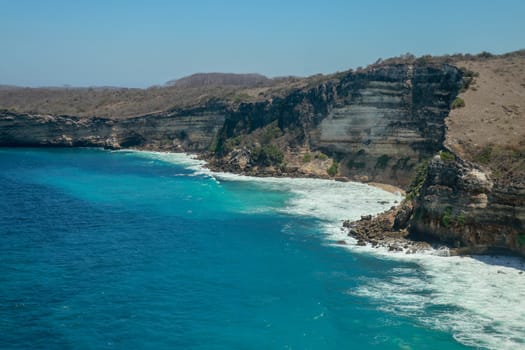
x=142, y=43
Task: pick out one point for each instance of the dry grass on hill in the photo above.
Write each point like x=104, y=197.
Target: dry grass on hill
x=125, y=103
x=490, y=128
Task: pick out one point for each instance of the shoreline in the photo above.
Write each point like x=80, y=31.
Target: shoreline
x=372, y=228
x=215, y=168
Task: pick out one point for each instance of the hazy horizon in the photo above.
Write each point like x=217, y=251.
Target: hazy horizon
x=141, y=44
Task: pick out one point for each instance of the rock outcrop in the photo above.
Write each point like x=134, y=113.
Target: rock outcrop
x=178, y=130
x=375, y=124
x=462, y=205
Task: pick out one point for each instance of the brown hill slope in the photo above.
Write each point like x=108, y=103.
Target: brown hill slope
x=490, y=128
x=494, y=106
x=221, y=79
x=120, y=103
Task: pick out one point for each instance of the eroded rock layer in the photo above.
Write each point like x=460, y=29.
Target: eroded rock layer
x=375, y=124
x=186, y=130
x=460, y=204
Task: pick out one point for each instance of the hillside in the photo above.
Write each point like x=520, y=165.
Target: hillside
x=120, y=103
x=490, y=128
x=200, y=80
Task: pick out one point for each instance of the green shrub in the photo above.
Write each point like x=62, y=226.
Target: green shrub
x=485, y=155
x=270, y=133
x=268, y=155
x=458, y=103
x=307, y=158
x=468, y=78
x=332, y=170
x=241, y=97
x=231, y=143
x=469, y=73
x=447, y=156
x=521, y=239
x=445, y=219
x=418, y=181
x=460, y=219
x=382, y=161
x=423, y=60
x=485, y=54
x=321, y=156
x=352, y=163
x=402, y=164
x=213, y=147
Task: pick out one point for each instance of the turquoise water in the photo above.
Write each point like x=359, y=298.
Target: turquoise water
x=134, y=250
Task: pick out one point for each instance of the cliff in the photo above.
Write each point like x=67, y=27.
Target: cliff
x=177, y=130
x=370, y=125
x=462, y=204
x=474, y=194
x=471, y=194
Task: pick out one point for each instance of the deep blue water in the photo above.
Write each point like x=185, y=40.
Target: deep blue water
x=115, y=250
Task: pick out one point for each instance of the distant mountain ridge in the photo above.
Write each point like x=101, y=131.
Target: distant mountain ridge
x=220, y=79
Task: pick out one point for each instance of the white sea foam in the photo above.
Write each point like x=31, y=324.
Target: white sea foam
x=328, y=200
x=477, y=299
x=188, y=161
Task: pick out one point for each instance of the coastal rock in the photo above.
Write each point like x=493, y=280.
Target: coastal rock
x=461, y=205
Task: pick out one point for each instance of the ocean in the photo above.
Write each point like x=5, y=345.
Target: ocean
x=143, y=250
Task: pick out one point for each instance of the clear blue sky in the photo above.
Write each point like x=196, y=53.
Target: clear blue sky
x=142, y=43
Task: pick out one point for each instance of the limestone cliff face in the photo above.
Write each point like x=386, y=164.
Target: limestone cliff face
x=376, y=124
x=463, y=205
x=190, y=130
x=45, y=130
x=388, y=119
